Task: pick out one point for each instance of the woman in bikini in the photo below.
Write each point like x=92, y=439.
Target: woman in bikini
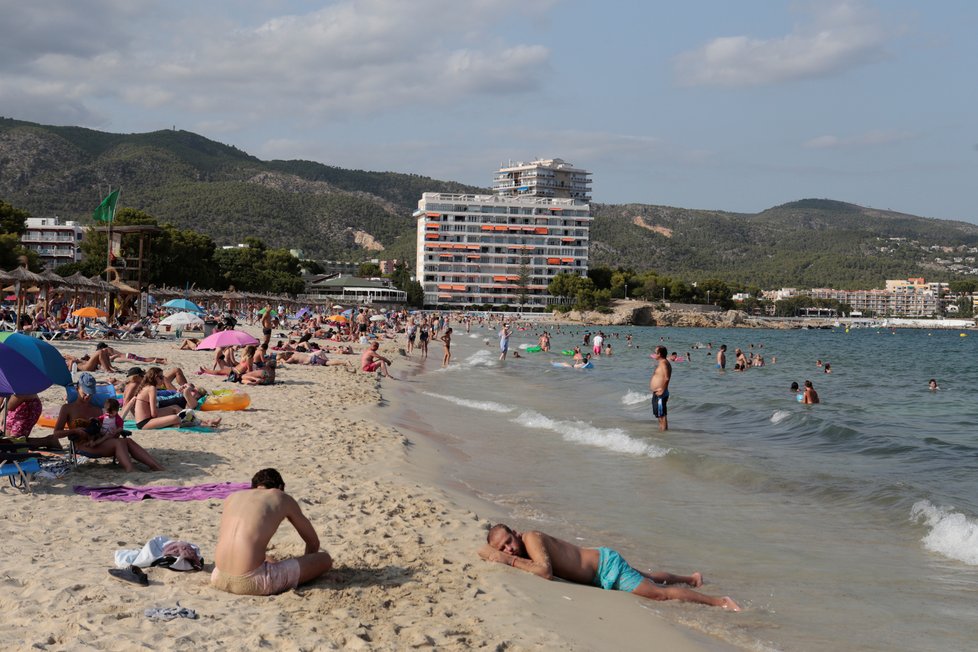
x=149, y=416
x=240, y=369
x=75, y=419
x=263, y=376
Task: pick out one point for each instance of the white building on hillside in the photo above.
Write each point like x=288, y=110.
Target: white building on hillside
x=474, y=249
x=56, y=243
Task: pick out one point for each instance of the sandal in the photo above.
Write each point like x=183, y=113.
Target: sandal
x=132, y=574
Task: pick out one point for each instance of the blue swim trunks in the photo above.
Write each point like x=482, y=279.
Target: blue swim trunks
x=614, y=573
x=659, y=404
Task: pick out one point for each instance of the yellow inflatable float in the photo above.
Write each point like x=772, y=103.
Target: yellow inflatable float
x=226, y=400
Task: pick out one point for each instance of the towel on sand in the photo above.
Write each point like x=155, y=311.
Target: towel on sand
x=122, y=493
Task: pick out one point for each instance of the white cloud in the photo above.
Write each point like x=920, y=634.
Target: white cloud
x=838, y=36
x=347, y=58
x=868, y=139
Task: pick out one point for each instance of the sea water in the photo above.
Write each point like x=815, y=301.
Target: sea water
x=848, y=525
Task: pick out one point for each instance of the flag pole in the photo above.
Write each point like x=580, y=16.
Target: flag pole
x=108, y=255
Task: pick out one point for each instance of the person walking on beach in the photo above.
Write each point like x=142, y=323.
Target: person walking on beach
x=549, y=557
x=250, y=519
x=722, y=357
x=447, y=339
x=266, y=324
x=504, y=341
x=659, y=386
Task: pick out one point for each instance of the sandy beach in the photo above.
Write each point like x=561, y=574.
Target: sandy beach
x=406, y=573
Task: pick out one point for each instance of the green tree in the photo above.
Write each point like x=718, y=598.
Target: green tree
x=368, y=270
x=966, y=286
x=187, y=258
x=565, y=285
x=12, y=220
x=13, y=224
x=601, y=276
x=415, y=294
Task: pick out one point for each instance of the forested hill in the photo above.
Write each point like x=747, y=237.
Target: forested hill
x=335, y=213
x=807, y=243
x=192, y=182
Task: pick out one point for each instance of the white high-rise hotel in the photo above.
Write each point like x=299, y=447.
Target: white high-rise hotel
x=473, y=249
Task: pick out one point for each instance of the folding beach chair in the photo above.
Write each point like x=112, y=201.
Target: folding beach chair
x=19, y=469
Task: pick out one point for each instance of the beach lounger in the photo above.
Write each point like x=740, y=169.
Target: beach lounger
x=19, y=469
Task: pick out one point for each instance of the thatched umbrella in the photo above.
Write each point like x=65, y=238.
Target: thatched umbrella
x=80, y=284
x=23, y=278
x=50, y=280
x=100, y=286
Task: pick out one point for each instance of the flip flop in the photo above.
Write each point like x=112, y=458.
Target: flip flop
x=132, y=574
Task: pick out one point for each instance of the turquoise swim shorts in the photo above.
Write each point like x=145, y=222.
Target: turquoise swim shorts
x=614, y=573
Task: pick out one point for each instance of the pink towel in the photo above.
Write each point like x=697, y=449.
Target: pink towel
x=122, y=493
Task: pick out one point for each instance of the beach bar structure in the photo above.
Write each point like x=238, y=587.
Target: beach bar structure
x=352, y=290
x=504, y=248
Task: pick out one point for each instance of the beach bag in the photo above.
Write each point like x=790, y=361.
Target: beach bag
x=180, y=556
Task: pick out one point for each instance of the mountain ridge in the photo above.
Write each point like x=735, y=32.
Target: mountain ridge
x=330, y=212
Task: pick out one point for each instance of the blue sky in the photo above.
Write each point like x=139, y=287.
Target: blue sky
x=715, y=104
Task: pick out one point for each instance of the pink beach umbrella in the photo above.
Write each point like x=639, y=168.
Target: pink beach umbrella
x=226, y=338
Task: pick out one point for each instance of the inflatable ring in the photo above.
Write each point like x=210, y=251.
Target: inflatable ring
x=533, y=349
x=567, y=352
x=226, y=400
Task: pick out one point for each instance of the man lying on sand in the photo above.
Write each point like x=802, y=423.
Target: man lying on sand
x=249, y=521
x=549, y=557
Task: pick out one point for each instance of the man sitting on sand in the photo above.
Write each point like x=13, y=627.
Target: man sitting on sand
x=549, y=557
x=249, y=521
x=371, y=361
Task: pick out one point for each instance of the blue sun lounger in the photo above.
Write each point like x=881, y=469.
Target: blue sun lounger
x=19, y=469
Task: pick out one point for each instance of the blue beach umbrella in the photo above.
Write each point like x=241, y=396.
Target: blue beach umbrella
x=40, y=354
x=18, y=375
x=183, y=304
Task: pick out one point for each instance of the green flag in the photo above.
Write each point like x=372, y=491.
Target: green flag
x=106, y=210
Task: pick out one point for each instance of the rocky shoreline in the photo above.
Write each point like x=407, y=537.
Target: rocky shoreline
x=643, y=313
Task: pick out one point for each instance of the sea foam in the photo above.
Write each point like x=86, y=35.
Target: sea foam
x=481, y=358
x=634, y=398
x=951, y=533
x=779, y=416
x=613, y=439
x=485, y=406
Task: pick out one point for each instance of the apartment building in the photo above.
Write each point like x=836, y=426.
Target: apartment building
x=543, y=178
x=56, y=243
x=901, y=298
x=505, y=248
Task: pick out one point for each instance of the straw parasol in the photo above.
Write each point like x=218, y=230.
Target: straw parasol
x=23, y=278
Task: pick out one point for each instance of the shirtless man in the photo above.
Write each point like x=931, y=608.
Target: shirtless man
x=266, y=324
x=810, y=396
x=549, y=557
x=371, y=361
x=722, y=357
x=659, y=386
x=249, y=521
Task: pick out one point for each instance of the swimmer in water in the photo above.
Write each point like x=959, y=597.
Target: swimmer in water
x=799, y=395
x=932, y=385
x=811, y=396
